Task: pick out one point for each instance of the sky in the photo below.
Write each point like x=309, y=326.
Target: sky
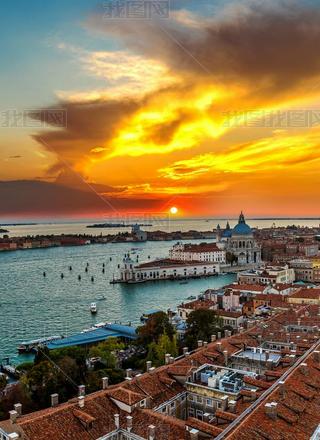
x=211, y=107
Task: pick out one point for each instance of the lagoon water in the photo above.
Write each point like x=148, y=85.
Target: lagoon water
x=33, y=306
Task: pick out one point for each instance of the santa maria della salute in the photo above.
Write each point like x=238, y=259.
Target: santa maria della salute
x=240, y=242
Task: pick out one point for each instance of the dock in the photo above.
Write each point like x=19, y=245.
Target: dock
x=9, y=369
x=95, y=335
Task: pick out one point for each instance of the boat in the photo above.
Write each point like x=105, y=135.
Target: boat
x=93, y=308
x=183, y=282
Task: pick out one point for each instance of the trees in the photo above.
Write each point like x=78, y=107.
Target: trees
x=231, y=258
x=201, y=324
x=106, y=352
x=157, y=325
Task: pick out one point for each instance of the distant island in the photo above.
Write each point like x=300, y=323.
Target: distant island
x=116, y=225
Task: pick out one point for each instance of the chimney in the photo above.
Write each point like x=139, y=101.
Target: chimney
x=151, y=432
x=213, y=338
x=128, y=373
x=316, y=356
x=200, y=343
x=149, y=365
x=267, y=355
x=171, y=359
x=18, y=408
x=227, y=333
x=282, y=389
x=185, y=350
x=219, y=335
x=194, y=433
x=105, y=382
x=271, y=410
x=232, y=406
x=13, y=416
x=225, y=354
x=54, y=399
x=167, y=358
x=304, y=369
x=152, y=370
x=219, y=347
x=82, y=390
x=117, y=420
x=129, y=423
x=206, y=417
x=269, y=364
x=13, y=436
x=81, y=401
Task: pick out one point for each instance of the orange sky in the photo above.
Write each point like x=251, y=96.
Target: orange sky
x=209, y=114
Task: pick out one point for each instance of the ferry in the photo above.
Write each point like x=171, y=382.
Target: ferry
x=28, y=347
x=93, y=308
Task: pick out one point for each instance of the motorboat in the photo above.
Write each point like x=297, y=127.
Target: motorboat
x=93, y=308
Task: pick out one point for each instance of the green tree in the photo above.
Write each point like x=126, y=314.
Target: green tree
x=3, y=382
x=201, y=324
x=106, y=351
x=157, y=325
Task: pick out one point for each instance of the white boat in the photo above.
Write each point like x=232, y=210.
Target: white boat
x=93, y=308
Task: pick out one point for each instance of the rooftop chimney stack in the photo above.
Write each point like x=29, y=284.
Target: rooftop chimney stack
x=213, y=338
x=117, y=420
x=18, y=408
x=81, y=401
x=271, y=410
x=105, y=382
x=232, y=406
x=206, y=417
x=82, y=390
x=128, y=373
x=219, y=347
x=171, y=359
x=304, y=369
x=316, y=356
x=149, y=365
x=194, y=434
x=200, y=343
x=129, y=423
x=205, y=344
x=225, y=354
x=219, y=335
x=54, y=400
x=185, y=350
x=167, y=358
x=282, y=389
x=151, y=432
x=13, y=416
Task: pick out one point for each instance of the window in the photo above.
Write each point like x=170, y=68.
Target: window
x=199, y=414
x=199, y=399
x=191, y=412
x=190, y=397
x=209, y=402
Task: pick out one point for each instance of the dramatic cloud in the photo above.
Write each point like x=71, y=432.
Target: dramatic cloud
x=186, y=103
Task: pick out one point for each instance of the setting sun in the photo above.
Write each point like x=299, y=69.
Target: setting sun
x=173, y=210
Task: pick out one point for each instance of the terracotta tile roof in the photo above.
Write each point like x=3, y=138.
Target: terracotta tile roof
x=306, y=294
x=126, y=396
x=204, y=427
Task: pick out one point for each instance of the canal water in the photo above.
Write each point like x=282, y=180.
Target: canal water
x=33, y=306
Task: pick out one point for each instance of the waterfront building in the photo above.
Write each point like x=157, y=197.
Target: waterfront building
x=240, y=242
x=138, y=234
x=305, y=296
x=164, y=269
x=207, y=252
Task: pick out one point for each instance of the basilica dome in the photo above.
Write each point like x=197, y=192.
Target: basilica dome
x=241, y=228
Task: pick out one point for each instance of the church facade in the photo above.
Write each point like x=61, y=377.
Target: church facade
x=240, y=242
